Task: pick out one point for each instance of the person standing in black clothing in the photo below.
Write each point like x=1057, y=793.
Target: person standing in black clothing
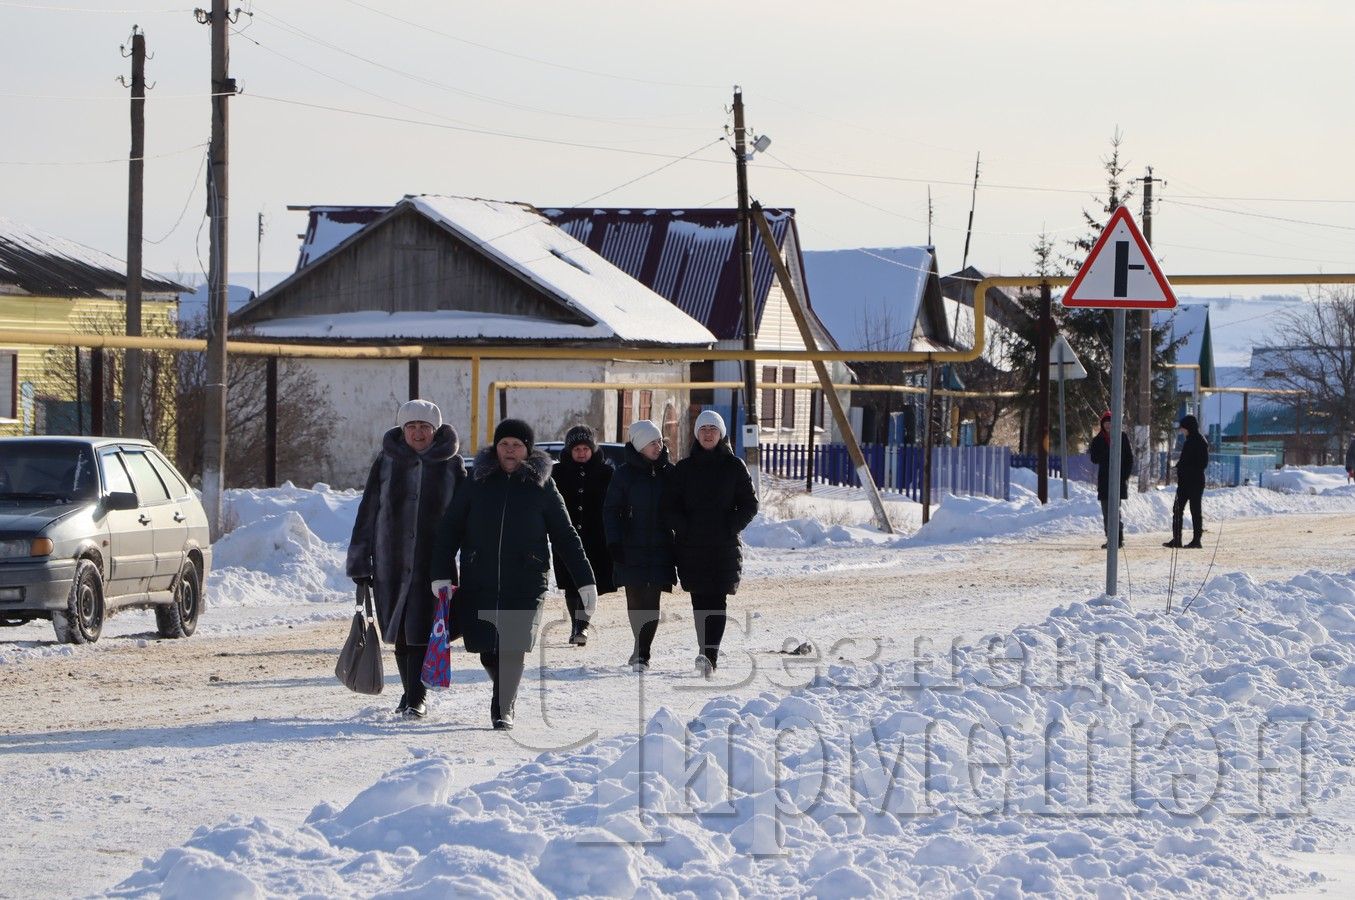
x=409, y=487
x=711, y=501
x=1190, y=469
x=639, y=539
x=499, y=521
x=1350, y=460
x=1099, y=451
x=582, y=476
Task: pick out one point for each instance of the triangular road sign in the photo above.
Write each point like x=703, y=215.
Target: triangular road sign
x=1072, y=367
x=1120, y=272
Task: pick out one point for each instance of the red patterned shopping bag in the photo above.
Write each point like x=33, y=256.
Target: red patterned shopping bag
x=437, y=663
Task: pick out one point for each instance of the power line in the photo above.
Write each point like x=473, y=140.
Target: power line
x=1256, y=215
x=96, y=162
x=192, y=189
x=81, y=9
x=532, y=59
x=277, y=22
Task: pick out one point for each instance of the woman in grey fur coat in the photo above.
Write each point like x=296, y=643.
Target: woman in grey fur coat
x=408, y=488
x=499, y=522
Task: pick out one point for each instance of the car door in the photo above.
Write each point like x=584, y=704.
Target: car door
x=171, y=543
x=158, y=511
x=131, y=542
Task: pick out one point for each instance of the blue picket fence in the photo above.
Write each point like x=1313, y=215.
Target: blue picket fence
x=1032, y=462
x=984, y=471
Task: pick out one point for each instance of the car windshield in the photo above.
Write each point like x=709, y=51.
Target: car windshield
x=47, y=470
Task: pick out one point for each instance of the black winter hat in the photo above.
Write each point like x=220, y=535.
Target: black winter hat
x=515, y=428
x=1189, y=423
x=580, y=434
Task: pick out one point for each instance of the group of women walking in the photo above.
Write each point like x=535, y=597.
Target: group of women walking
x=488, y=537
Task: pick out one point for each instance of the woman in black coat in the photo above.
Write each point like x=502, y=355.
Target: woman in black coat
x=582, y=476
x=1099, y=451
x=408, y=489
x=1190, y=469
x=638, y=536
x=499, y=522
x=711, y=501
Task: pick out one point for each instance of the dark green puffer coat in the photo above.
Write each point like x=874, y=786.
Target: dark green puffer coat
x=500, y=524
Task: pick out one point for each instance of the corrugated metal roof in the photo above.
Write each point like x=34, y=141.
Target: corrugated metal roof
x=33, y=261
x=687, y=255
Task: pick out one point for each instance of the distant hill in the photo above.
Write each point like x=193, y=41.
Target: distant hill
x=194, y=305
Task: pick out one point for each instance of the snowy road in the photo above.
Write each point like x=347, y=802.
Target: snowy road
x=114, y=753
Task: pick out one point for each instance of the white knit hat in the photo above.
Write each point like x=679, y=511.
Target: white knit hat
x=419, y=411
x=711, y=417
x=643, y=433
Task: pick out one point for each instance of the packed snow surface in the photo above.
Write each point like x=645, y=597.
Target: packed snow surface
x=1102, y=752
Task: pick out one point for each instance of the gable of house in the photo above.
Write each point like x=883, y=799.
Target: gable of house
x=461, y=268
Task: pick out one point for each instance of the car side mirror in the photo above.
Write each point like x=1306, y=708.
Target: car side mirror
x=121, y=500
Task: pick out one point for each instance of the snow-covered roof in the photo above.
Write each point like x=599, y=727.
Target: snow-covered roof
x=33, y=261
x=997, y=338
x=329, y=226
x=520, y=239
x=442, y=324
x=894, y=285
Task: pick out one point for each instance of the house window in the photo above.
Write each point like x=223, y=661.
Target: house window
x=768, y=402
x=9, y=384
x=646, y=405
x=624, y=415
x=788, y=398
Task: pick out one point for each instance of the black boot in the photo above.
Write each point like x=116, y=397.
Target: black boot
x=1175, y=542
x=1195, y=543
x=404, y=696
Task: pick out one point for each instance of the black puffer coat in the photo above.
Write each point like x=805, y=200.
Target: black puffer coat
x=584, y=487
x=1350, y=456
x=1099, y=452
x=634, y=518
x=392, y=543
x=710, y=502
x=1190, y=468
x=500, y=523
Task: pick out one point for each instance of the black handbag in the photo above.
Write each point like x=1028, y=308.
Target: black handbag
x=359, y=665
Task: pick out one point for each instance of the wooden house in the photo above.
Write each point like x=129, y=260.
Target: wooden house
x=48, y=283
x=464, y=272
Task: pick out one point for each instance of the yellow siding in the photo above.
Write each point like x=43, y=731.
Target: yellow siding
x=66, y=314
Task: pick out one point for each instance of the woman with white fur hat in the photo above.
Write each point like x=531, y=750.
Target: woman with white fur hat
x=409, y=487
x=711, y=501
x=638, y=537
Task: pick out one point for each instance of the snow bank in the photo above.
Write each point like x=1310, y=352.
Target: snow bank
x=1101, y=753
x=794, y=534
x=328, y=513
x=276, y=559
x=963, y=519
x=1310, y=480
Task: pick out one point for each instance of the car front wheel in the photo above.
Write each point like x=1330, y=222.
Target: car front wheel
x=83, y=620
x=180, y=618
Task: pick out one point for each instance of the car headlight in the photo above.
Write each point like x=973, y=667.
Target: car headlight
x=22, y=549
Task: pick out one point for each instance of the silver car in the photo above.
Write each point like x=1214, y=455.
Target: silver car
x=91, y=525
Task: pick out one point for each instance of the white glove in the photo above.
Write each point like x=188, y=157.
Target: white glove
x=589, y=595
x=442, y=584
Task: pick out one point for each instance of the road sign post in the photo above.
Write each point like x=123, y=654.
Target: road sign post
x=1120, y=273
x=1066, y=367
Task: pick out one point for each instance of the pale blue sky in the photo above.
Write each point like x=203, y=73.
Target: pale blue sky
x=1226, y=100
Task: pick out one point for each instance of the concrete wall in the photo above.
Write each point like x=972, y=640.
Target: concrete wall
x=366, y=395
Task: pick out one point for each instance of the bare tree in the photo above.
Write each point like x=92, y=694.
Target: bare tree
x=64, y=382
x=1316, y=354
x=304, y=416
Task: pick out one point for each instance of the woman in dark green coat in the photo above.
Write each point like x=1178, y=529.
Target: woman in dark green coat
x=499, y=522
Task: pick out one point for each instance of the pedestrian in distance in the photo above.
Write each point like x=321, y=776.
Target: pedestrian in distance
x=1350, y=461
x=410, y=485
x=711, y=501
x=502, y=522
x=638, y=536
x=1099, y=451
x=1190, y=469
x=582, y=476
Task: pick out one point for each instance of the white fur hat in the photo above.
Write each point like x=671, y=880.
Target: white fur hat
x=419, y=411
x=643, y=433
x=710, y=417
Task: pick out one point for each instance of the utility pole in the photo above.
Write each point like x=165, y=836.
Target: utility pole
x=132, y=416
x=258, y=259
x=1143, y=438
x=751, y=454
x=214, y=413
x=1045, y=337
